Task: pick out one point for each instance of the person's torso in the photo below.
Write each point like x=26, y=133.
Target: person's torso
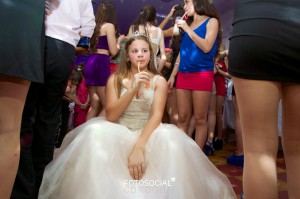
x=192, y=58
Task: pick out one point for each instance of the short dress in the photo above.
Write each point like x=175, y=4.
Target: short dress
x=196, y=68
x=22, y=39
x=265, y=43
x=97, y=69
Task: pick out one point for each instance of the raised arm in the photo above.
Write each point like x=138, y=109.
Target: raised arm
x=115, y=105
x=167, y=32
x=168, y=17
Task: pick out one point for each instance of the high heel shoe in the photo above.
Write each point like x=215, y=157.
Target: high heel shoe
x=209, y=149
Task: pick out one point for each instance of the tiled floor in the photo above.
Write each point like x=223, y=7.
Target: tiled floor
x=235, y=173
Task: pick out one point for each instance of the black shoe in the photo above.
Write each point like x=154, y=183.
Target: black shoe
x=218, y=144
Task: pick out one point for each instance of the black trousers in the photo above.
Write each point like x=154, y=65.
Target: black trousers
x=40, y=118
x=64, y=121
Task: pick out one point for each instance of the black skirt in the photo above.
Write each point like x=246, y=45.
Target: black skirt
x=266, y=47
x=22, y=39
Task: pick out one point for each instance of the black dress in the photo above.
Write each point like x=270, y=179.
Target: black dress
x=265, y=42
x=22, y=39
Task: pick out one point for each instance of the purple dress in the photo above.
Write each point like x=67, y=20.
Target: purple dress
x=97, y=68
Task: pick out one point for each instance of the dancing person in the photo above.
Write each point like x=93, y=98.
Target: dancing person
x=264, y=57
x=103, y=45
x=198, y=49
x=68, y=21
x=22, y=43
x=116, y=157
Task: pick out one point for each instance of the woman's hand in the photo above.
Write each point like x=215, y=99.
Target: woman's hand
x=139, y=78
x=172, y=11
x=181, y=23
x=136, y=163
x=170, y=84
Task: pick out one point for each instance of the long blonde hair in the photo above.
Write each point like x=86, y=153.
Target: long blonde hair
x=124, y=69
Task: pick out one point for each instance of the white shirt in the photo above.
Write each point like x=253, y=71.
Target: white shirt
x=70, y=20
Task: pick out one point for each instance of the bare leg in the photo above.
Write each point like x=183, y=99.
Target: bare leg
x=201, y=101
x=13, y=93
x=184, y=107
x=291, y=136
x=211, y=119
x=94, y=103
x=172, y=107
x=238, y=128
x=191, y=128
x=258, y=104
x=219, y=112
x=100, y=90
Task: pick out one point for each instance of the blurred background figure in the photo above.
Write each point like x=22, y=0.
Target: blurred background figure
x=22, y=44
x=68, y=21
x=104, y=43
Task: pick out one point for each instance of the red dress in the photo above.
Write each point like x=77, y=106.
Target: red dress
x=82, y=95
x=220, y=80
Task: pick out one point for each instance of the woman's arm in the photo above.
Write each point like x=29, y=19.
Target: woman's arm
x=207, y=43
x=163, y=57
x=157, y=110
x=174, y=73
x=116, y=105
x=168, y=17
x=136, y=161
x=221, y=72
x=69, y=95
x=113, y=42
x=168, y=32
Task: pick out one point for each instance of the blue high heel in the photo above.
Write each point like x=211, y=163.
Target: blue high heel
x=209, y=149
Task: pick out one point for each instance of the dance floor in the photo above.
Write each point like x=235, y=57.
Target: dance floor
x=235, y=173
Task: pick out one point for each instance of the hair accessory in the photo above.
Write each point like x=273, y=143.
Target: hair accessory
x=137, y=33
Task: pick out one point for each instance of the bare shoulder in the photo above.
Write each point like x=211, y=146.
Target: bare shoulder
x=111, y=79
x=108, y=25
x=160, y=81
x=213, y=22
x=107, y=29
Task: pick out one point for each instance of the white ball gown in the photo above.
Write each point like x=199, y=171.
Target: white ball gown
x=92, y=162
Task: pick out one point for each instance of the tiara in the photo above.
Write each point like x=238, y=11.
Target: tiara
x=137, y=33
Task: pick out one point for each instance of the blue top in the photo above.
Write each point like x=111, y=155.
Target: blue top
x=192, y=58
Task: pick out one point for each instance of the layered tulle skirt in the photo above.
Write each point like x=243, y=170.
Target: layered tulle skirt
x=92, y=163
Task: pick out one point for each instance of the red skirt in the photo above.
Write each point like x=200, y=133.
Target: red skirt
x=201, y=81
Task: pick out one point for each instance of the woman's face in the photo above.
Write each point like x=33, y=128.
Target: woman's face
x=139, y=54
x=189, y=7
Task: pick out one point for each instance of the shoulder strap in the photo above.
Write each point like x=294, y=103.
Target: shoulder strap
x=153, y=81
